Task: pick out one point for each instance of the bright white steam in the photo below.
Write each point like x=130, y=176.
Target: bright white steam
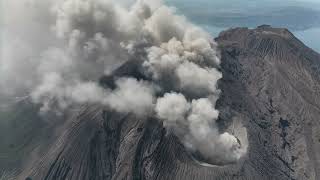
x=56, y=50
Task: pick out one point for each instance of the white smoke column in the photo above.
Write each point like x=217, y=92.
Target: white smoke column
x=172, y=108
x=195, y=123
x=58, y=49
x=185, y=62
x=132, y=96
x=205, y=138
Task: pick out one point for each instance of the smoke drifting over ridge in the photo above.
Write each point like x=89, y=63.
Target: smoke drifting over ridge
x=55, y=51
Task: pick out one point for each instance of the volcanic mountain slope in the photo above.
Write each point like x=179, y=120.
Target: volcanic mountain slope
x=270, y=85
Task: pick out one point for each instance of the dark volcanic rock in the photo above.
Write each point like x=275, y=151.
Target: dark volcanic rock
x=271, y=83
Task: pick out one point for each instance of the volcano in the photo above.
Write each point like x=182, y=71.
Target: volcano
x=271, y=84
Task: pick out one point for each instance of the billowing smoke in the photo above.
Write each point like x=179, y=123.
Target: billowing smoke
x=55, y=52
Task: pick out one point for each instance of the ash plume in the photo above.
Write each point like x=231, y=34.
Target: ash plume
x=55, y=51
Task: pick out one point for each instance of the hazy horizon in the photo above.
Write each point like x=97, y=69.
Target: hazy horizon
x=300, y=17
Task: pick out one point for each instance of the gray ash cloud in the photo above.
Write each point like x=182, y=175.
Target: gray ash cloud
x=55, y=51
